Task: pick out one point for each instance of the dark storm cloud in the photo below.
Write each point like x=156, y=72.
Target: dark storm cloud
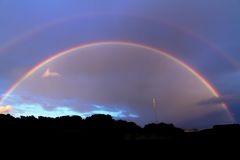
x=220, y=100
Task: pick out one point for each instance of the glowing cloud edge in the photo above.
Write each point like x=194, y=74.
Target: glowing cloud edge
x=155, y=50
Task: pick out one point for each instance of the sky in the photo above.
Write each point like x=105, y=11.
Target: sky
x=203, y=34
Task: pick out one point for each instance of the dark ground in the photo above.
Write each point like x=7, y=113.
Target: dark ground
x=99, y=131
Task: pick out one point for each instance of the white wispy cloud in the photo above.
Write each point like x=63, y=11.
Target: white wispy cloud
x=48, y=73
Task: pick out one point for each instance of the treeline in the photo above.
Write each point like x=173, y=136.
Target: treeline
x=104, y=128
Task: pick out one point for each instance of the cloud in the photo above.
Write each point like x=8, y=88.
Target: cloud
x=49, y=73
x=219, y=100
x=5, y=109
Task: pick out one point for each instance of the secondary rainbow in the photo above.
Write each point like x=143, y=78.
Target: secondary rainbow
x=46, y=26
x=156, y=50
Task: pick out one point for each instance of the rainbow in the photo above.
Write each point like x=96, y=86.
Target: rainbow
x=132, y=44
x=26, y=35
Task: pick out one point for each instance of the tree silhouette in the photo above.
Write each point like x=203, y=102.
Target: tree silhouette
x=104, y=128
